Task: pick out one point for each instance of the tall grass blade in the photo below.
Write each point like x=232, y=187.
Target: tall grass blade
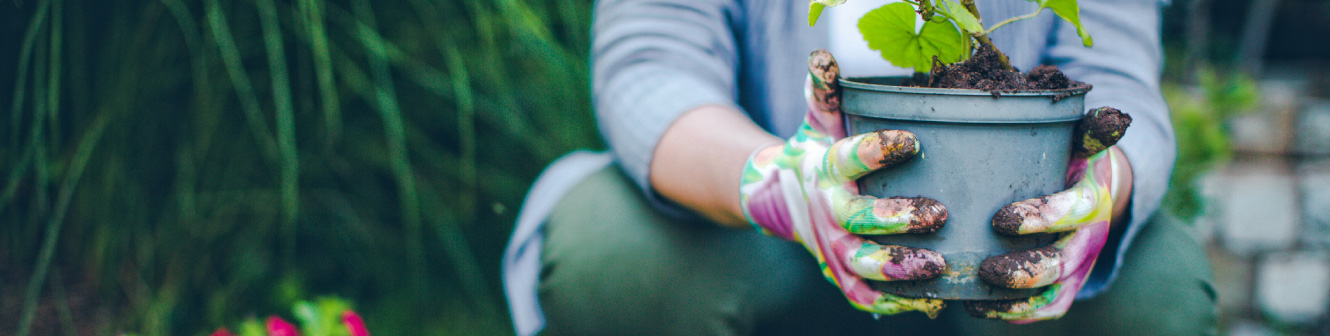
x=461, y=255
x=41, y=178
x=419, y=72
x=509, y=121
x=186, y=171
x=318, y=42
x=80, y=161
x=249, y=101
x=466, y=132
x=62, y=303
x=54, y=66
x=16, y=110
x=492, y=62
x=395, y=132
x=188, y=27
x=15, y=176
x=459, y=252
x=21, y=75
x=286, y=128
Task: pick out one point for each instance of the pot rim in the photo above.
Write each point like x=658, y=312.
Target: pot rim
x=879, y=100
x=856, y=83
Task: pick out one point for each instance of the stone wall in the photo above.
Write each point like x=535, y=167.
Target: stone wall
x=1268, y=218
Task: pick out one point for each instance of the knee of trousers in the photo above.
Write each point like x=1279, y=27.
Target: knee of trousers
x=612, y=263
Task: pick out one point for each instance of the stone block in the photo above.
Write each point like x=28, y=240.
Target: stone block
x=1259, y=210
x=1211, y=185
x=1259, y=133
x=1233, y=281
x=1294, y=288
x=1314, y=185
x=1312, y=129
x=1269, y=129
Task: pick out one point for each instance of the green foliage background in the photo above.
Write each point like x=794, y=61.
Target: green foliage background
x=185, y=164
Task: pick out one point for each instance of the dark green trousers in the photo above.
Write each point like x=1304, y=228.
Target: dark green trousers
x=613, y=265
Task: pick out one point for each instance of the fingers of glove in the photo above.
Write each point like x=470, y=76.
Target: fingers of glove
x=1052, y=304
x=856, y=156
x=822, y=92
x=1076, y=252
x=887, y=304
x=839, y=271
x=893, y=263
x=1080, y=249
x=1023, y=269
x=869, y=215
x=1070, y=257
x=1063, y=211
x=1087, y=202
x=835, y=250
x=1098, y=130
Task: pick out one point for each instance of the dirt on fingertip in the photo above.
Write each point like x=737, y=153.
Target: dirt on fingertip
x=1008, y=220
x=896, y=146
x=929, y=215
x=980, y=309
x=1101, y=128
x=1000, y=270
x=901, y=254
x=984, y=71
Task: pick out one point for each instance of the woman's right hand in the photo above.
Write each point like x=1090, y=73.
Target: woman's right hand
x=804, y=191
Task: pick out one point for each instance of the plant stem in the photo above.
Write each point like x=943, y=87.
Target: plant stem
x=1013, y=19
x=969, y=6
x=982, y=37
x=926, y=9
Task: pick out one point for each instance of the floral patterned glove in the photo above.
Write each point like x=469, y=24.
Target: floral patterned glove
x=1082, y=213
x=804, y=191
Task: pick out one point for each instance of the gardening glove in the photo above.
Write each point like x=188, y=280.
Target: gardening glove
x=804, y=191
x=1081, y=213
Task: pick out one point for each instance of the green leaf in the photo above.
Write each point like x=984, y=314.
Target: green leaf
x=963, y=17
x=890, y=30
x=814, y=11
x=815, y=8
x=1071, y=12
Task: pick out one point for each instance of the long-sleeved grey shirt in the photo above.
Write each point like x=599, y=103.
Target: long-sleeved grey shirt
x=653, y=60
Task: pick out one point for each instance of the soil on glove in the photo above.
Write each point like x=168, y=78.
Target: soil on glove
x=981, y=309
x=1015, y=268
x=1101, y=128
x=983, y=71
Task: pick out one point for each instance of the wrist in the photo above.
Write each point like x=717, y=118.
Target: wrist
x=755, y=185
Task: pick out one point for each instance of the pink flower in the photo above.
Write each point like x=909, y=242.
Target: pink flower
x=354, y=324
x=222, y=332
x=279, y=327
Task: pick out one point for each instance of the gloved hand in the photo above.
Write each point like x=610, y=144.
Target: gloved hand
x=804, y=191
x=1082, y=213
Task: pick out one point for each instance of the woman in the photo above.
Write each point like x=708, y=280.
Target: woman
x=690, y=95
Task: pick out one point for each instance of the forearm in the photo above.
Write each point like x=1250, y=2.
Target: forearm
x=700, y=159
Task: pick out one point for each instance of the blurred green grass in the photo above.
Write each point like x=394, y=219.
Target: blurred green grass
x=186, y=164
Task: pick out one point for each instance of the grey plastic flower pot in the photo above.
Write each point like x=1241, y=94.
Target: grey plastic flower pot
x=978, y=153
